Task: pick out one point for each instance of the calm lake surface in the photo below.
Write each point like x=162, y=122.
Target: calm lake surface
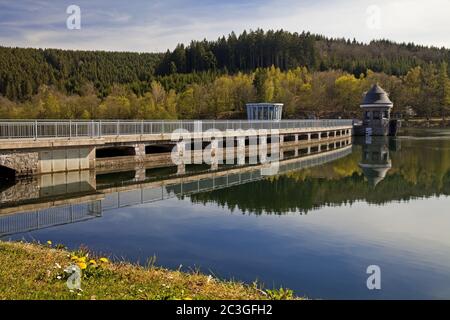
x=384, y=202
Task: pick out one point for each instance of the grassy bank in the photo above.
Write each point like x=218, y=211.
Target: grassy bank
x=32, y=271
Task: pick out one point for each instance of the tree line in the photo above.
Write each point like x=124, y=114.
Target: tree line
x=286, y=50
x=305, y=94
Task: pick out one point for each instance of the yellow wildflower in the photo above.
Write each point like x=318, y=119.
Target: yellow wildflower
x=49, y=242
x=92, y=261
x=74, y=258
x=82, y=265
x=104, y=260
x=82, y=259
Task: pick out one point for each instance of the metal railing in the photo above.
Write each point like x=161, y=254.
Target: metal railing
x=50, y=217
x=41, y=129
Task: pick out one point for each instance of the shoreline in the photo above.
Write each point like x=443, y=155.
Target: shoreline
x=36, y=271
x=426, y=123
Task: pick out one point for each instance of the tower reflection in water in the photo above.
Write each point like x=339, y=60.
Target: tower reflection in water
x=376, y=161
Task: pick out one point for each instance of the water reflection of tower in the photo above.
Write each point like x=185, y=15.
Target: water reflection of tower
x=376, y=161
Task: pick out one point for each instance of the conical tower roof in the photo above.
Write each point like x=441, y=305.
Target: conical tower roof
x=376, y=96
x=375, y=174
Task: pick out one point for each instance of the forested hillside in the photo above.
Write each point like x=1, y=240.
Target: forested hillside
x=311, y=74
x=259, y=49
x=22, y=71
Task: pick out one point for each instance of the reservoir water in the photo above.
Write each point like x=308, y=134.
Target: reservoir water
x=314, y=228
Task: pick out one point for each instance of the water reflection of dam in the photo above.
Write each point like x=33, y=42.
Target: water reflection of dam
x=57, y=199
x=124, y=196
x=50, y=217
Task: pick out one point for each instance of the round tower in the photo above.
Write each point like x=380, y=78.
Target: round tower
x=376, y=108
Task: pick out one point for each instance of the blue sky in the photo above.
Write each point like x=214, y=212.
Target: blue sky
x=156, y=25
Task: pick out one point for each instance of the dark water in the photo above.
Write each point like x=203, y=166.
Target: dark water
x=314, y=230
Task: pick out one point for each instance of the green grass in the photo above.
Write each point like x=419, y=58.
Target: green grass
x=33, y=271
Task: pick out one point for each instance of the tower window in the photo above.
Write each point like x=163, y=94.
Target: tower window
x=376, y=115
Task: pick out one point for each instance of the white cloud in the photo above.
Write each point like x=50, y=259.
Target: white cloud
x=159, y=25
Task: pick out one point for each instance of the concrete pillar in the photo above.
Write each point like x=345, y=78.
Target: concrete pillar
x=92, y=158
x=263, y=140
x=181, y=148
x=309, y=150
x=263, y=149
x=281, y=154
x=182, y=156
x=93, y=179
x=240, y=152
x=214, y=147
x=253, y=149
x=281, y=140
x=197, y=151
x=214, y=164
x=181, y=169
x=140, y=174
x=214, y=154
x=296, y=152
x=241, y=159
x=230, y=150
x=296, y=138
x=309, y=136
x=140, y=151
x=241, y=142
